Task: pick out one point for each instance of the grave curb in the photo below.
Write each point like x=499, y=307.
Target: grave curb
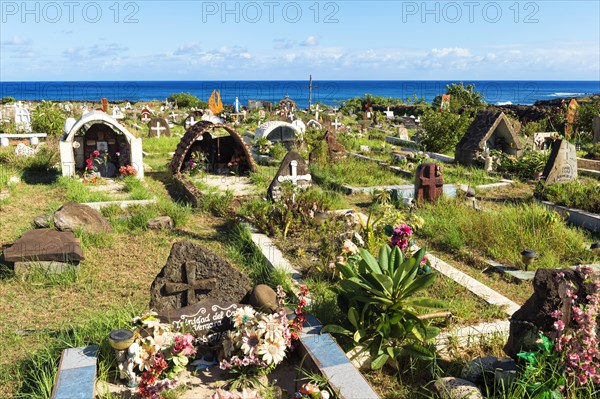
x=333, y=362
x=122, y=204
x=583, y=219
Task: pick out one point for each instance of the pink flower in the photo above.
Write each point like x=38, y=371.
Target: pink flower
x=183, y=345
x=96, y=153
x=559, y=325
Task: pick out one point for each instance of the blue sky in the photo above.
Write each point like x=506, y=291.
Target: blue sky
x=263, y=40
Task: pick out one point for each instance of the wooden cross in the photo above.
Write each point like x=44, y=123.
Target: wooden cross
x=191, y=285
x=158, y=128
x=294, y=176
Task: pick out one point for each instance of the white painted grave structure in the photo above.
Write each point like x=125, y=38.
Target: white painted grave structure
x=98, y=131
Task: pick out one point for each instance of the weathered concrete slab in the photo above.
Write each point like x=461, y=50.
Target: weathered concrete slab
x=586, y=220
x=76, y=374
x=122, y=204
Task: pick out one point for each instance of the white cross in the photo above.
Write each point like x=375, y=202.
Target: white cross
x=158, y=128
x=294, y=177
x=336, y=124
x=145, y=117
x=190, y=122
x=173, y=115
x=317, y=112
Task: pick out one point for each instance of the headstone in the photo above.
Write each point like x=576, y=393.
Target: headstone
x=403, y=132
x=562, y=164
x=128, y=106
x=145, y=115
x=117, y=113
x=104, y=104
x=193, y=273
x=72, y=216
x=548, y=296
x=158, y=127
x=596, y=129
x=429, y=182
x=293, y=169
x=206, y=320
x=45, y=245
x=389, y=114
x=335, y=150
x=193, y=118
x=22, y=118
x=299, y=125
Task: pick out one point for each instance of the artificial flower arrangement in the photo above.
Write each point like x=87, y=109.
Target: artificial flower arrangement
x=263, y=146
x=127, y=170
x=89, y=175
x=259, y=341
x=196, y=164
x=159, y=355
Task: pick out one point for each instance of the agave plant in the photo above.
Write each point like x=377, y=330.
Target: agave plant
x=382, y=309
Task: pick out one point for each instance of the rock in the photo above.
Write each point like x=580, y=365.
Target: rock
x=14, y=180
x=42, y=222
x=24, y=150
x=72, y=215
x=193, y=273
x=534, y=316
x=457, y=388
x=160, y=223
x=263, y=298
x=45, y=245
x=475, y=369
x=562, y=163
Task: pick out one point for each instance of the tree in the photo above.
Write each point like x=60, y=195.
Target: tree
x=443, y=130
x=461, y=97
x=48, y=118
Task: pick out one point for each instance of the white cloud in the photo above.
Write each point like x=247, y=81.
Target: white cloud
x=450, y=52
x=188, y=49
x=310, y=41
x=16, y=41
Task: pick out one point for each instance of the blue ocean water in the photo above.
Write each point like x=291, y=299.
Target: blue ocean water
x=331, y=92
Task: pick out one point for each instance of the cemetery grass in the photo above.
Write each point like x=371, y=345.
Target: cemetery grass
x=112, y=283
x=363, y=174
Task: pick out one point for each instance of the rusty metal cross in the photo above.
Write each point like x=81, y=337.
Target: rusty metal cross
x=431, y=182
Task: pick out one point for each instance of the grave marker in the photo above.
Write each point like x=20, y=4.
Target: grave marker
x=293, y=169
x=158, y=127
x=429, y=183
x=562, y=164
x=192, y=274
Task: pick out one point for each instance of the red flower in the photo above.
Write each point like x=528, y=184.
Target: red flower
x=96, y=153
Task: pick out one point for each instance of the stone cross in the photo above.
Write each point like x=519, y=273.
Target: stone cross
x=191, y=285
x=336, y=124
x=158, y=128
x=429, y=182
x=294, y=177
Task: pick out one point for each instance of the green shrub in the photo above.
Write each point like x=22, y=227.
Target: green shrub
x=382, y=309
x=47, y=117
x=594, y=152
x=585, y=115
x=443, y=130
x=582, y=194
x=7, y=100
x=523, y=167
x=461, y=97
x=278, y=151
x=187, y=100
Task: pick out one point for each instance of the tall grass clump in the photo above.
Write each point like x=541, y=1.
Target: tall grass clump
x=36, y=374
x=77, y=191
x=136, y=188
x=356, y=173
x=502, y=232
x=242, y=250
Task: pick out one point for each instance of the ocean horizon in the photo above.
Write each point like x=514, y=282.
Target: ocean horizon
x=330, y=92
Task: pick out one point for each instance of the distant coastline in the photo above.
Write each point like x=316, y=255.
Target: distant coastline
x=330, y=92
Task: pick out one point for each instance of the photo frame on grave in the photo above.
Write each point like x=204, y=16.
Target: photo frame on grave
x=102, y=146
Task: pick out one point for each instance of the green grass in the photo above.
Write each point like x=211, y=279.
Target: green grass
x=502, y=232
x=162, y=145
x=357, y=173
x=37, y=372
x=136, y=188
x=470, y=175
x=77, y=191
x=583, y=193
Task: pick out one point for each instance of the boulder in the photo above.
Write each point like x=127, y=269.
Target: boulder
x=192, y=274
x=45, y=245
x=42, y=222
x=72, y=216
x=263, y=298
x=457, y=388
x=160, y=223
x=535, y=315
